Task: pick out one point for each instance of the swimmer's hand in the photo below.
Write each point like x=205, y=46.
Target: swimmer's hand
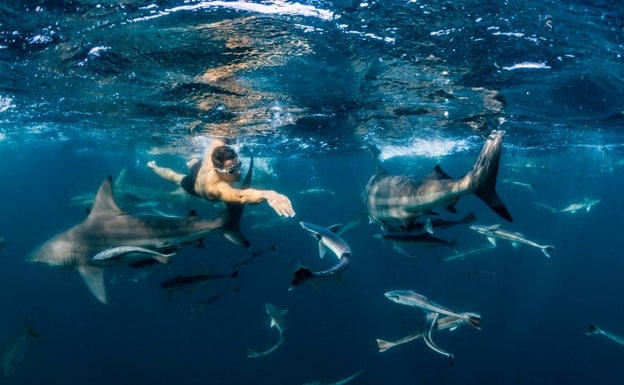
x=281, y=204
x=151, y=164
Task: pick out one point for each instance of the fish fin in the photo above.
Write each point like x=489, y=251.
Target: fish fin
x=301, y=275
x=438, y=173
x=453, y=328
x=374, y=151
x=492, y=240
x=164, y=259
x=428, y=226
x=474, y=319
x=382, y=345
x=451, y=207
x=104, y=202
x=546, y=249
x=515, y=245
x=468, y=218
x=322, y=250
x=336, y=228
x=94, y=278
x=593, y=329
x=483, y=175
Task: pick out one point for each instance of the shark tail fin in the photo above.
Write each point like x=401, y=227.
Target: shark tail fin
x=474, y=320
x=301, y=275
x=383, y=345
x=482, y=177
x=546, y=249
x=593, y=329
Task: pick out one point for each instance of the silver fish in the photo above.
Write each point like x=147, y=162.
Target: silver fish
x=128, y=254
x=493, y=232
x=411, y=298
x=395, y=201
x=276, y=315
x=327, y=238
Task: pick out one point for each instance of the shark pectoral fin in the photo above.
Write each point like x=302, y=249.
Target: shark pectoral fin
x=94, y=278
x=515, y=245
x=492, y=240
x=322, y=250
x=428, y=226
x=336, y=228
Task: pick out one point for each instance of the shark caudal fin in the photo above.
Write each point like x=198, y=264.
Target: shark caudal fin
x=546, y=249
x=231, y=229
x=474, y=319
x=482, y=177
x=593, y=329
x=301, y=275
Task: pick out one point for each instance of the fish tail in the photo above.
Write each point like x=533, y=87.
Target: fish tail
x=546, y=249
x=474, y=320
x=383, y=345
x=164, y=259
x=482, y=177
x=593, y=329
x=301, y=275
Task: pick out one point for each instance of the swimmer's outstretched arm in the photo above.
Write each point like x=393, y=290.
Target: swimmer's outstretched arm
x=279, y=202
x=165, y=173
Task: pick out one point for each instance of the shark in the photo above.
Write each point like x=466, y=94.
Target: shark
x=395, y=201
x=328, y=238
x=494, y=231
x=276, y=315
x=107, y=226
x=16, y=350
x=339, y=382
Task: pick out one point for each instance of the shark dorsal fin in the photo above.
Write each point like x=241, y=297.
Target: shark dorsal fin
x=494, y=227
x=438, y=173
x=192, y=214
x=374, y=151
x=104, y=202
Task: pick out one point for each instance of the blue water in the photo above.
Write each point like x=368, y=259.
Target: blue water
x=91, y=88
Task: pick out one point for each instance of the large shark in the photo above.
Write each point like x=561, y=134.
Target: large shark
x=109, y=226
x=396, y=201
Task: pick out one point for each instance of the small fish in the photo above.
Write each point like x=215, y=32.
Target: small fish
x=493, y=232
x=316, y=191
x=205, y=303
x=254, y=255
x=130, y=254
x=446, y=322
x=572, y=208
x=276, y=315
x=527, y=65
x=528, y=186
x=16, y=350
x=185, y=280
x=465, y=253
x=593, y=329
x=339, y=382
x=411, y=298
